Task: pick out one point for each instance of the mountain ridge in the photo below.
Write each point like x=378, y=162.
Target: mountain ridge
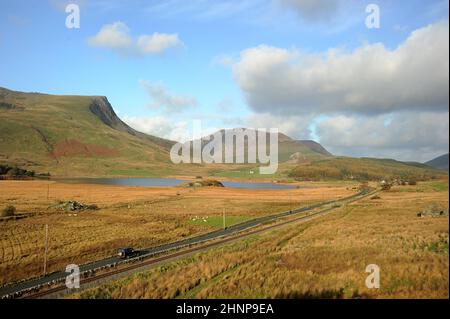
x=440, y=162
x=289, y=149
x=73, y=135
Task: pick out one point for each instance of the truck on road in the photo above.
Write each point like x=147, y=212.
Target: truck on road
x=126, y=252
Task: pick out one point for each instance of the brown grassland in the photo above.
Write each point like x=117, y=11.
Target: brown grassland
x=128, y=216
x=323, y=258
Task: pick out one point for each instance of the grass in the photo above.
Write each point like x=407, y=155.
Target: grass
x=427, y=186
x=324, y=258
x=246, y=174
x=217, y=221
x=339, y=168
x=440, y=186
x=439, y=247
x=139, y=217
x=138, y=172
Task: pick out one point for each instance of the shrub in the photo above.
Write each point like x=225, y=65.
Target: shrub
x=8, y=211
x=15, y=171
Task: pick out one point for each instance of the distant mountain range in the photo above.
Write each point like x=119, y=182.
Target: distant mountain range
x=440, y=162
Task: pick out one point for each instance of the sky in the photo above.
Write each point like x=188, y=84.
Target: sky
x=311, y=68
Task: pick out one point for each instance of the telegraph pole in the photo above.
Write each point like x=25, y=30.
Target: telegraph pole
x=224, y=222
x=48, y=191
x=46, y=249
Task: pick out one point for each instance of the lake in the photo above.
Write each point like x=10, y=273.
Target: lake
x=167, y=182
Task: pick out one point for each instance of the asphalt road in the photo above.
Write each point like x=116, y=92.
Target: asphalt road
x=25, y=286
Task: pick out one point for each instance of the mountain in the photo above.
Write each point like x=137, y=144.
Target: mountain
x=289, y=150
x=301, y=151
x=314, y=146
x=440, y=162
x=74, y=135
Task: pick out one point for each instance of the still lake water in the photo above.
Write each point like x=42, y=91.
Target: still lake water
x=167, y=182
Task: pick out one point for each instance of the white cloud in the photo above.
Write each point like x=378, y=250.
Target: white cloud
x=369, y=80
x=404, y=135
x=112, y=36
x=116, y=36
x=164, y=100
x=159, y=126
x=157, y=43
x=294, y=126
x=370, y=101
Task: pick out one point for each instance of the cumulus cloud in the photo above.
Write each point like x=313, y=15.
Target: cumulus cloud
x=369, y=101
x=157, y=43
x=164, y=100
x=371, y=79
x=117, y=37
x=293, y=126
x=404, y=135
x=313, y=10
x=159, y=126
x=112, y=36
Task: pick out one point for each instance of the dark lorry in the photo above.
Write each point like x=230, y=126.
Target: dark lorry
x=126, y=252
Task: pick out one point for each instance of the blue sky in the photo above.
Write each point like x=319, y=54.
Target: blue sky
x=201, y=73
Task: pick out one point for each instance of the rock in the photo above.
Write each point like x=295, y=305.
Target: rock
x=203, y=183
x=433, y=210
x=71, y=206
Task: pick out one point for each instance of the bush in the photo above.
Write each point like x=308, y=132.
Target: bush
x=8, y=211
x=15, y=171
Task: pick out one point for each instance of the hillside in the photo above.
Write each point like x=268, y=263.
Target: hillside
x=362, y=169
x=289, y=150
x=314, y=146
x=73, y=135
x=440, y=162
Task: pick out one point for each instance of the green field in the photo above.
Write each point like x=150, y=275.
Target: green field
x=217, y=221
x=338, y=168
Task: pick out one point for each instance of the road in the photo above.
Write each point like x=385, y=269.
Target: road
x=35, y=284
